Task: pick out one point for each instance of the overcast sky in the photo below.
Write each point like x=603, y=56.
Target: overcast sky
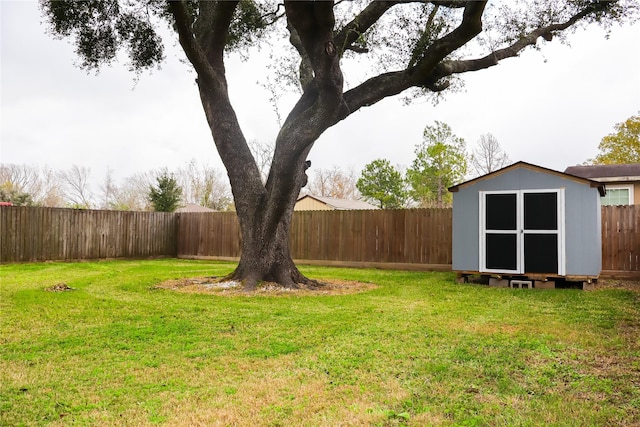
x=550, y=108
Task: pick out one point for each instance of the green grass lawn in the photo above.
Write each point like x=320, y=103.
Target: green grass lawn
x=418, y=350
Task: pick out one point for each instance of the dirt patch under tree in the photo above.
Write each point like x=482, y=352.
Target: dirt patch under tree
x=217, y=286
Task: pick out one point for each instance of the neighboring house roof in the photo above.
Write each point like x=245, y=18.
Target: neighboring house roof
x=606, y=173
x=191, y=207
x=341, y=204
x=521, y=164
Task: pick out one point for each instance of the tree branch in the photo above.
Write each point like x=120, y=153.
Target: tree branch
x=470, y=27
x=276, y=14
x=204, y=40
x=312, y=34
x=351, y=32
x=313, y=23
x=212, y=27
x=430, y=75
x=393, y=83
x=305, y=69
x=187, y=39
x=205, y=49
x=457, y=67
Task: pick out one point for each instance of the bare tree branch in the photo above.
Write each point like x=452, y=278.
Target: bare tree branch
x=488, y=156
x=76, y=183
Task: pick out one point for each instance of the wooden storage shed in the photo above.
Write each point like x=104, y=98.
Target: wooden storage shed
x=526, y=226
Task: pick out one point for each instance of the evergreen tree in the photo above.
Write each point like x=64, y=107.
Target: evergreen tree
x=382, y=184
x=165, y=196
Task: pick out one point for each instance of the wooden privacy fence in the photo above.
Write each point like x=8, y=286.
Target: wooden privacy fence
x=400, y=238
x=621, y=240
x=407, y=239
x=42, y=234
x=207, y=235
x=397, y=238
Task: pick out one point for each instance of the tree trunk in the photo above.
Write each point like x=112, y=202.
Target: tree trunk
x=268, y=259
x=265, y=210
x=265, y=228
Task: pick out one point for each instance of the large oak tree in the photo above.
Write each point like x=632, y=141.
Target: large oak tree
x=421, y=47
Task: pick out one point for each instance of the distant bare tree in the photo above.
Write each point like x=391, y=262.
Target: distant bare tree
x=204, y=186
x=132, y=194
x=334, y=182
x=263, y=154
x=43, y=187
x=50, y=192
x=488, y=156
x=108, y=191
x=75, y=182
x=23, y=178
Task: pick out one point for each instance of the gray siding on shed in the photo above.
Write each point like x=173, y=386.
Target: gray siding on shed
x=582, y=229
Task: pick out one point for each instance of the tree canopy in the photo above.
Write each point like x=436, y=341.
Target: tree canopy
x=415, y=47
x=383, y=185
x=441, y=161
x=623, y=146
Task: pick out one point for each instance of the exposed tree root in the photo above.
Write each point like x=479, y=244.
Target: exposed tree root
x=252, y=281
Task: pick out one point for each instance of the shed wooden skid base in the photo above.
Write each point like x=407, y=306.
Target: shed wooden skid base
x=532, y=281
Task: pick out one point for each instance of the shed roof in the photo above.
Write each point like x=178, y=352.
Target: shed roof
x=517, y=165
x=341, y=204
x=601, y=173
